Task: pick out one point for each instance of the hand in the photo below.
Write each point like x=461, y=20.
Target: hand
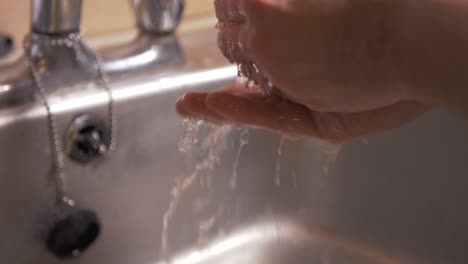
x=341, y=67
x=237, y=105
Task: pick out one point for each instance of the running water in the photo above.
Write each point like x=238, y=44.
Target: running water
x=277, y=179
x=243, y=140
x=331, y=154
x=190, y=136
x=211, y=146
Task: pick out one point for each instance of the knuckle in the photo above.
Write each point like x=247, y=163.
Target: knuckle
x=229, y=42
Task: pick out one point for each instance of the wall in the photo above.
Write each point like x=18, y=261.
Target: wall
x=98, y=15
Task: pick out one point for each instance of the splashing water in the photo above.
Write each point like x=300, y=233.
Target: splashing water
x=244, y=139
x=190, y=135
x=250, y=75
x=212, y=145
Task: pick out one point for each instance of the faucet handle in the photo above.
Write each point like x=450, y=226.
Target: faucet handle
x=158, y=16
x=55, y=16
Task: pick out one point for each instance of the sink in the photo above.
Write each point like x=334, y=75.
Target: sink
x=394, y=198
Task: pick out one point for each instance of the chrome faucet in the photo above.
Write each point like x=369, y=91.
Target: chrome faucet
x=153, y=48
x=63, y=16
x=55, y=46
x=53, y=23
x=158, y=16
x=58, y=64
x=55, y=16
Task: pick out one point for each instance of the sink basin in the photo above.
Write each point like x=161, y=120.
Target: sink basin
x=395, y=198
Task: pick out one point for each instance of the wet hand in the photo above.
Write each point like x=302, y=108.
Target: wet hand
x=239, y=106
x=332, y=64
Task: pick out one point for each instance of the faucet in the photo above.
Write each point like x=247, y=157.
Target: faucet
x=154, y=47
x=158, y=17
x=55, y=16
x=58, y=62
x=51, y=22
x=55, y=48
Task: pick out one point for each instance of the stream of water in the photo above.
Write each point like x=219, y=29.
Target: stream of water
x=243, y=140
x=212, y=146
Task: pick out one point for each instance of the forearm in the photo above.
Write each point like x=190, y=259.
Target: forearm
x=431, y=51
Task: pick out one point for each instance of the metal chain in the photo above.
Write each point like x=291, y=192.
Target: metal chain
x=111, y=109
x=57, y=150
x=76, y=39
x=52, y=127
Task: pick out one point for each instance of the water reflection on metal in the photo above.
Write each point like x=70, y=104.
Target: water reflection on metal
x=89, y=97
x=142, y=54
x=141, y=59
x=265, y=239
x=164, y=84
x=254, y=235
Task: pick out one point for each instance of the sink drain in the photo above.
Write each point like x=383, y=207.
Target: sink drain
x=87, y=139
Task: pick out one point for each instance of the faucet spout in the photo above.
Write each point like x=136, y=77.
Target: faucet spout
x=55, y=45
x=55, y=16
x=55, y=53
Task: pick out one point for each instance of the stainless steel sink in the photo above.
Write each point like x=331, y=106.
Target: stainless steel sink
x=396, y=198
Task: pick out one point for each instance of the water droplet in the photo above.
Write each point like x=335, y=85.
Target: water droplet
x=250, y=84
x=256, y=68
x=243, y=140
x=239, y=70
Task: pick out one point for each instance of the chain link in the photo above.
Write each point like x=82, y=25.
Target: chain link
x=71, y=41
x=111, y=109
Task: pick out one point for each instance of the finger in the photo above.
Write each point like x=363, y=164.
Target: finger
x=231, y=42
x=342, y=127
x=230, y=11
x=192, y=105
x=260, y=110
x=237, y=105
